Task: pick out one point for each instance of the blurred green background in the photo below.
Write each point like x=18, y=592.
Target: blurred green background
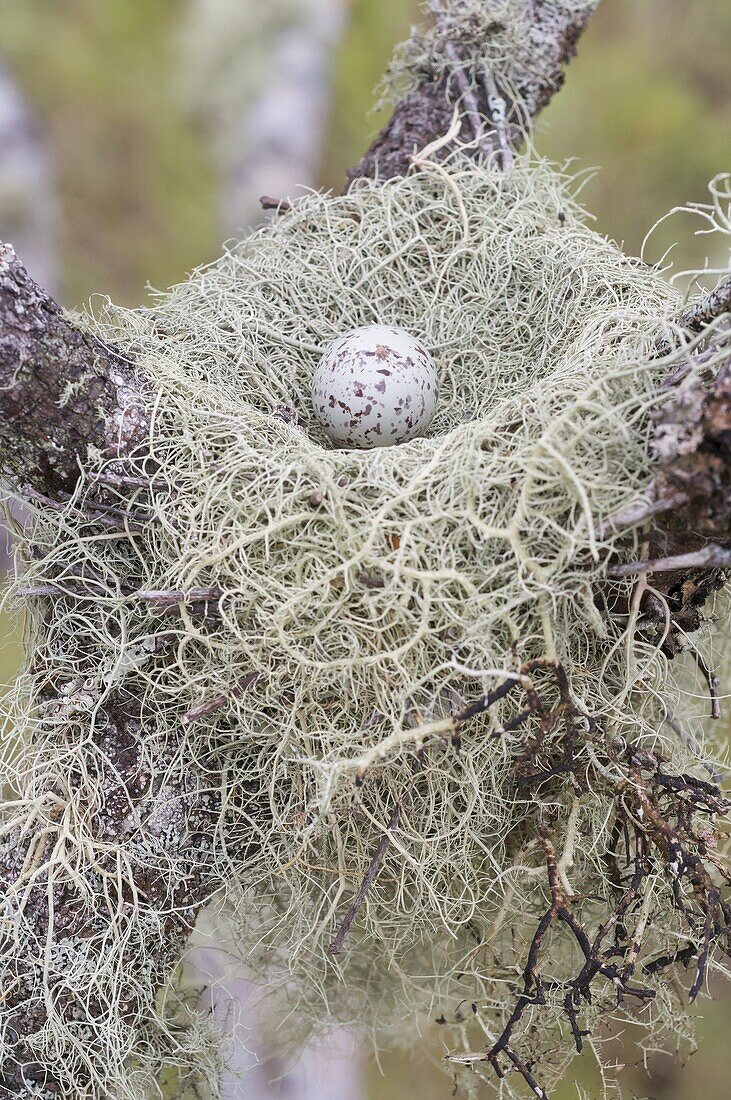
x=140, y=125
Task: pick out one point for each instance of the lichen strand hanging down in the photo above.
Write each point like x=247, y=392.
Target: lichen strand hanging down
x=425, y=738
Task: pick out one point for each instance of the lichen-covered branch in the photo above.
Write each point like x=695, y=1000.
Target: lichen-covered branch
x=63, y=394
x=662, y=831
x=457, y=71
x=692, y=446
x=692, y=490
x=65, y=891
x=699, y=315
x=65, y=398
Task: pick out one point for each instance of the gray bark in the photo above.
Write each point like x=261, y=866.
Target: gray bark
x=554, y=32
x=61, y=391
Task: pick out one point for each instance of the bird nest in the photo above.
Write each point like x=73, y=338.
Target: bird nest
x=434, y=724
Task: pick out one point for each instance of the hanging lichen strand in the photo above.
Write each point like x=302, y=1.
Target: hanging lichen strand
x=451, y=770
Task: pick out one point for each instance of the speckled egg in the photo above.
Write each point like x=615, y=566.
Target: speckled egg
x=374, y=387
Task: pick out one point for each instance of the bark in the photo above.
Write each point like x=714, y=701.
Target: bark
x=63, y=394
x=692, y=446
x=132, y=804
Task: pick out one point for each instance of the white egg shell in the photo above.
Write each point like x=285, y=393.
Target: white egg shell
x=375, y=386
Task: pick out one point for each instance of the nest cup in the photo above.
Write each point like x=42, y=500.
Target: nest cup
x=362, y=596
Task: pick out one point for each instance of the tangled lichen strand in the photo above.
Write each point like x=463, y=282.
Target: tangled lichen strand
x=340, y=604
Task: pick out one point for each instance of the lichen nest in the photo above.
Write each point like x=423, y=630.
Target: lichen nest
x=354, y=600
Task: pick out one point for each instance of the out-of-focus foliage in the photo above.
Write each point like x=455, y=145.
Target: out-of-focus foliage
x=374, y=27
x=256, y=78
x=28, y=207
x=648, y=101
x=135, y=188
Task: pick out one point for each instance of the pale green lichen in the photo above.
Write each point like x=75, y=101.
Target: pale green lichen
x=366, y=595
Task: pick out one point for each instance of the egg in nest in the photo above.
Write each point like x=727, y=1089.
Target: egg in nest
x=375, y=386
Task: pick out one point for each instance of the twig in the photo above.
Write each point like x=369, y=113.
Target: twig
x=166, y=598
x=699, y=315
x=137, y=521
x=525, y=1073
x=137, y=518
x=468, y=95
x=173, y=596
x=38, y=590
x=684, y=955
x=467, y=92
x=218, y=702
x=711, y=680
x=710, y=557
x=573, y=1017
x=369, y=878
x=709, y=308
x=709, y=928
x=30, y=493
x=124, y=480
x=498, y=114
x=282, y=206
x=638, y=512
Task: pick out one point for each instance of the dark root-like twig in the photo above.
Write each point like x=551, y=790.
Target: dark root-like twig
x=667, y=826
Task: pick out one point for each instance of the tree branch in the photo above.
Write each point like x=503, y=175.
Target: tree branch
x=699, y=315
x=170, y=870
x=519, y=94
x=63, y=394
x=690, y=540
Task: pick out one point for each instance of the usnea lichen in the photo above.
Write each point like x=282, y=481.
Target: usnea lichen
x=318, y=628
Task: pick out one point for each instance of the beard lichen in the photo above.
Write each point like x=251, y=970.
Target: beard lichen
x=450, y=779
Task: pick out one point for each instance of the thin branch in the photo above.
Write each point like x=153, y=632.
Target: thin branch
x=699, y=315
x=711, y=680
x=218, y=702
x=369, y=878
x=127, y=481
x=280, y=206
x=164, y=598
x=170, y=597
x=711, y=557
x=637, y=513
x=498, y=116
